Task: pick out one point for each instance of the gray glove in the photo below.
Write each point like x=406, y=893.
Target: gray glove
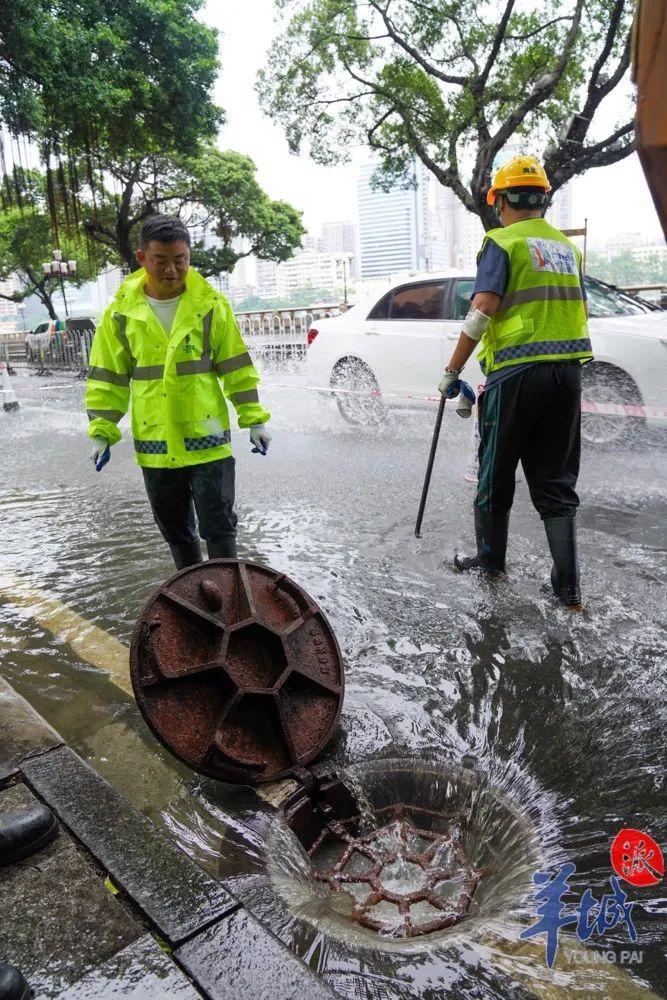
x=448, y=380
x=100, y=452
x=260, y=438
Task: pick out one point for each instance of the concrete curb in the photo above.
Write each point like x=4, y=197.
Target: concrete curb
x=222, y=947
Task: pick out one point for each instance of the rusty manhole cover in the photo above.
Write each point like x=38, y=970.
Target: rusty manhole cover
x=405, y=880
x=237, y=671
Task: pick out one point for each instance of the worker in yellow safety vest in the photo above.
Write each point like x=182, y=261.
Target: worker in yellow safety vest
x=167, y=340
x=529, y=312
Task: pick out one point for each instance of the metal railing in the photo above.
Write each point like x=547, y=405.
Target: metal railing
x=276, y=340
x=66, y=350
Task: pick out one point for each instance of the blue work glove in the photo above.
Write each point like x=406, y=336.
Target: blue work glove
x=100, y=452
x=451, y=386
x=260, y=438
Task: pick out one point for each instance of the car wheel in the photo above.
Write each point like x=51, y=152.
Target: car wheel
x=360, y=399
x=601, y=385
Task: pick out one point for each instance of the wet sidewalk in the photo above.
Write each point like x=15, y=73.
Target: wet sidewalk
x=111, y=908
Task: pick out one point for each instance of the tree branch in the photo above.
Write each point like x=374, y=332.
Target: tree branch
x=540, y=94
x=602, y=158
x=536, y=31
x=414, y=53
x=497, y=42
x=581, y=122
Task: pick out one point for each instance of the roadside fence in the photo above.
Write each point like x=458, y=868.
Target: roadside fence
x=65, y=350
x=276, y=340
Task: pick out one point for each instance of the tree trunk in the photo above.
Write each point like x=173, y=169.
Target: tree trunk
x=45, y=297
x=123, y=243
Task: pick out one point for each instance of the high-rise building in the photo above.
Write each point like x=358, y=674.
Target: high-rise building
x=559, y=213
x=341, y=237
x=389, y=226
x=314, y=268
x=9, y=310
x=267, y=279
x=418, y=229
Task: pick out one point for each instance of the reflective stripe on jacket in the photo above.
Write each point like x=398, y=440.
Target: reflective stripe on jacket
x=179, y=412
x=542, y=315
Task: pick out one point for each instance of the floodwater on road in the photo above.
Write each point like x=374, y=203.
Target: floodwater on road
x=562, y=716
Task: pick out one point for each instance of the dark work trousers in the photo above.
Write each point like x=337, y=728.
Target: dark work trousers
x=208, y=489
x=534, y=418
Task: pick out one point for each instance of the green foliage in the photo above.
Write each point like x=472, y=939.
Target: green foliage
x=215, y=191
x=625, y=269
x=26, y=241
x=451, y=82
x=112, y=76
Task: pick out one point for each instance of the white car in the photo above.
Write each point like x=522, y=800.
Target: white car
x=390, y=351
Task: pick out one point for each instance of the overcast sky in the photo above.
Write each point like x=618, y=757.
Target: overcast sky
x=614, y=199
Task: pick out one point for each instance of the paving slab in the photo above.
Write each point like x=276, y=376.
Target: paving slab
x=141, y=971
x=24, y=732
x=58, y=921
x=237, y=959
x=170, y=889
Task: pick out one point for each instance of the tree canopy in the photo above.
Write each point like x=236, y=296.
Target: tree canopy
x=108, y=76
x=26, y=241
x=215, y=192
x=626, y=268
x=452, y=82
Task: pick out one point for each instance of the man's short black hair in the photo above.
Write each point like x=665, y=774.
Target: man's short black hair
x=164, y=229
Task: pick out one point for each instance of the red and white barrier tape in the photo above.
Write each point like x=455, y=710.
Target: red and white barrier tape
x=608, y=409
x=605, y=409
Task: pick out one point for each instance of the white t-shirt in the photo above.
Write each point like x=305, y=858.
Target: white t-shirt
x=165, y=309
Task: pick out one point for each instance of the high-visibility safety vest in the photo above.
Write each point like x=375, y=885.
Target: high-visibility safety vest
x=541, y=315
x=179, y=413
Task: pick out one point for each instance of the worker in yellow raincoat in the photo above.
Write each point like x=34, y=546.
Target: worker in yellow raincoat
x=169, y=342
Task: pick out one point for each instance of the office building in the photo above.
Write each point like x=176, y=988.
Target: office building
x=341, y=238
x=9, y=311
x=389, y=226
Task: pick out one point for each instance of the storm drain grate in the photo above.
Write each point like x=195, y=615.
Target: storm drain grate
x=405, y=880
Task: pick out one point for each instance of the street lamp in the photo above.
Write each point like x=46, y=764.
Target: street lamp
x=343, y=261
x=62, y=268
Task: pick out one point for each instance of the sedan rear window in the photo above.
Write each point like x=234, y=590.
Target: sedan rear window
x=418, y=301
x=424, y=301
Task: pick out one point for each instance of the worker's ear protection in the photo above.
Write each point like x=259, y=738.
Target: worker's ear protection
x=523, y=199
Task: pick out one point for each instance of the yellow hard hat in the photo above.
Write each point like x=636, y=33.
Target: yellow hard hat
x=520, y=171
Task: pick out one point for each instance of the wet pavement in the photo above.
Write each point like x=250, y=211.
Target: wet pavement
x=562, y=715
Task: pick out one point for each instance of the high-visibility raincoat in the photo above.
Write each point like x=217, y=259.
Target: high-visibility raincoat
x=541, y=317
x=179, y=412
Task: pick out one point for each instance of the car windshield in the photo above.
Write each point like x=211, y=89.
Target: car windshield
x=606, y=301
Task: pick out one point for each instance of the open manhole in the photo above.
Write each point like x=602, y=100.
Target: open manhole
x=418, y=851
x=405, y=879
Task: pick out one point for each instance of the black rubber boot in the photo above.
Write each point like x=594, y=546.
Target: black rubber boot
x=225, y=548
x=13, y=985
x=562, y=538
x=25, y=831
x=491, y=534
x=186, y=555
